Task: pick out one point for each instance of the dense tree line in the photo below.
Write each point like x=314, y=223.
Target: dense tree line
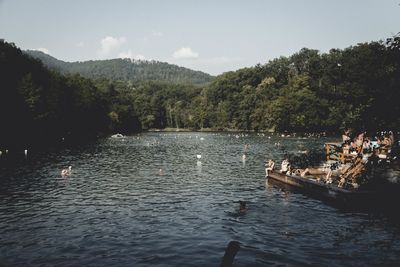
x=124, y=69
x=148, y=104
x=356, y=87
x=37, y=105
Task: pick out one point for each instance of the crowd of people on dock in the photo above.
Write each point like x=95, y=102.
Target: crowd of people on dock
x=359, y=151
x=366, y=150
x=362, y=144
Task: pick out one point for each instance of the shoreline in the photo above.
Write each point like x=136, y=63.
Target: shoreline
x=170, y=129
x=211, y=130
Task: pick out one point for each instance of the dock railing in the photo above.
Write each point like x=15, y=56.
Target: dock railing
x=335, y=151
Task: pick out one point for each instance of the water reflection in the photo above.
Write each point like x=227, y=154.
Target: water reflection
x=148, y=200
x=199, y=166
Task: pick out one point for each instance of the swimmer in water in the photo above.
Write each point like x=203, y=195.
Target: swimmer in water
x=242, y=208
x=66, y=172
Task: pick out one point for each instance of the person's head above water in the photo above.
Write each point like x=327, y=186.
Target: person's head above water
x=242, y=205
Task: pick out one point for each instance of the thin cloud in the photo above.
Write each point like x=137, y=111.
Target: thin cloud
x=139, y=57
x=212, y=65
x=44, y=50
x=185, y=53
x=129, y=54
x=109, y=45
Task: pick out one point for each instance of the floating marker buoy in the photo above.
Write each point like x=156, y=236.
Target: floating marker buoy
x=198, y=156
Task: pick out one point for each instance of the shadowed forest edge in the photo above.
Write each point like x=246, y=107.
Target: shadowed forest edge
x=357, y=87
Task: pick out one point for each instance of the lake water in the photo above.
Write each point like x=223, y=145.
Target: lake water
x=119, y=209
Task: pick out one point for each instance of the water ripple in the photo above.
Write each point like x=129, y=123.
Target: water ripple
x=147, y=200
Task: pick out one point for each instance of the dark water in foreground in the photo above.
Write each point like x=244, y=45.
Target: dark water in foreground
x=118, y=209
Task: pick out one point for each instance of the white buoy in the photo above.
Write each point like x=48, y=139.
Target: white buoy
x=199, y=156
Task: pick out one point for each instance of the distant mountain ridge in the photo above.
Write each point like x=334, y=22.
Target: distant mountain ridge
x=124, y=69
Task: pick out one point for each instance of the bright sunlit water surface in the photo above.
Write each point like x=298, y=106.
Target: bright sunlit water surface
x=147, y=200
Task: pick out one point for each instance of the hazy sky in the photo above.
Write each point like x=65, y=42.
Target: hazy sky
x=211, y=36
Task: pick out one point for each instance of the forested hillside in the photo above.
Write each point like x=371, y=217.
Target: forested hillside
x=37, y=105
x=358, y=87
x=124, y=69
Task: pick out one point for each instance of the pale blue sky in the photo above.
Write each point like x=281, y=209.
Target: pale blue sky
x=211, y=36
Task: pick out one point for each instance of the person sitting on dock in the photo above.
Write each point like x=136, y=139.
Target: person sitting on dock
x=384, y=145
x=285, y=166
x=388, y=140
x=346, y=136
x=367, y=146
x=313, y=172
x=269, y=166
x=304, y=172
x=358, y=142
